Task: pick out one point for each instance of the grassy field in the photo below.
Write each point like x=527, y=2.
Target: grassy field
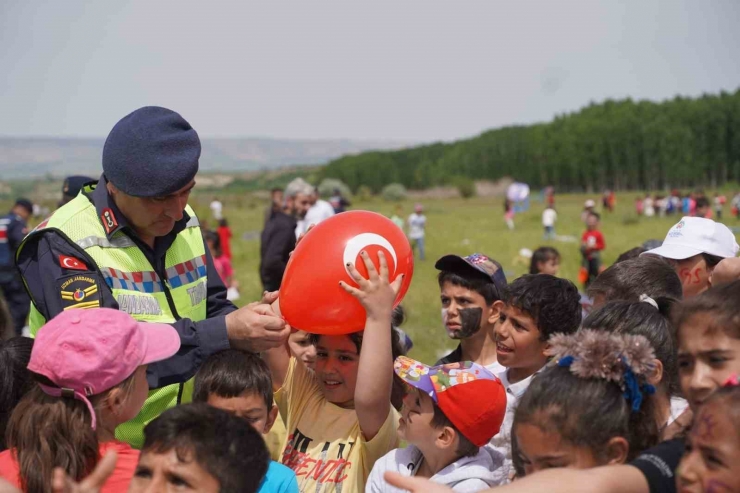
x=462, y=227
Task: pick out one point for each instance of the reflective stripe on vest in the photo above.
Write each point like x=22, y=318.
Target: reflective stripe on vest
x=178, y=292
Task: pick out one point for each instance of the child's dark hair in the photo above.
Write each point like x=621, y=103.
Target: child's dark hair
x=226, y=447
x=465, y=448
x=595, y=389
x=231, y=373
x=642, y=318
x=15, y=379
x=721, y=302
x=478, y=282
x=648, y=274
x=542, y=254
x=212, y=237
x=223, y=223
x=553, y=303
x=595, y=214
x=399, y=387
x=730, y=394
x=586, y=412
x=631, y=254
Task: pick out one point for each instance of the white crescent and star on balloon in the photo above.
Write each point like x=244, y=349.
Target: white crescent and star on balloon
x=358, y=243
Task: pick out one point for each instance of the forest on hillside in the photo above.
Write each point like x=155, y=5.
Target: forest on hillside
x=622, y=145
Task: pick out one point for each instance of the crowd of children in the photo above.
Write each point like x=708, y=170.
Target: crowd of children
x=640, y=395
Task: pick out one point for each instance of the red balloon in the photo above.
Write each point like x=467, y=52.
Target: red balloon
x=310, y=296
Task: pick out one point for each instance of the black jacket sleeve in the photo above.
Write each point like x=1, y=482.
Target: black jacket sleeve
x=278, y=244
x=40, y=265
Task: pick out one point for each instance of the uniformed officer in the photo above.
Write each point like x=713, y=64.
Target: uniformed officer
x=132, y=243
x=72, y=186
x=12, y=230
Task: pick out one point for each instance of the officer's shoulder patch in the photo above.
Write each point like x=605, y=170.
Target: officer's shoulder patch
x=79, y=291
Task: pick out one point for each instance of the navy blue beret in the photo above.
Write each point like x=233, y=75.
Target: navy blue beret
x=151, y=152
x=73, y=184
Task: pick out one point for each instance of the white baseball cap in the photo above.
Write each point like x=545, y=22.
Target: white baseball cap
x=695, y=235
x=590, y=203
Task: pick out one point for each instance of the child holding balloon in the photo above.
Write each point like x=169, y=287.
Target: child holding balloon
x=339, y=417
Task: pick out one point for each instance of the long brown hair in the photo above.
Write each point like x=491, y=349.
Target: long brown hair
x=48, y=432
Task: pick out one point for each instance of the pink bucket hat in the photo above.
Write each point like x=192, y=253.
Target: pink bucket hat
x=86, y=352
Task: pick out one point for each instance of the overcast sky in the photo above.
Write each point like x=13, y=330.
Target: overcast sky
x=401, y=70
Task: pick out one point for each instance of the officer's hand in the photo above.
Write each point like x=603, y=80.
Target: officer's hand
x=256, y=327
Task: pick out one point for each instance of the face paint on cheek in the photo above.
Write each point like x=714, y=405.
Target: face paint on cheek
x=705, y=428
x=470, y=320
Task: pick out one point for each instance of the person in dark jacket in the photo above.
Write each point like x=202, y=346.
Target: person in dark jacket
x=13, y=228
x=279, y=235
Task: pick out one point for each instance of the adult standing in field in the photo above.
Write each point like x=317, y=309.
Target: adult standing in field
x=694, y=246
x=549, y=216
x=13, y=228
x=276, y=203
x=131, y=242
x=217, y=209
x=279, y=236
x=417, y=225
x=320, y=210
x=338, y=202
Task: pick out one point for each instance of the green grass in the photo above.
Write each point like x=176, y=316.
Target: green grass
x=462, y=227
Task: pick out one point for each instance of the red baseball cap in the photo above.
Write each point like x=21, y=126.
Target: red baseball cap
x=469, y=395
x=86, y=352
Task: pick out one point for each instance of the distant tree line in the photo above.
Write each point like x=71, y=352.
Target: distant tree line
x=622, y=145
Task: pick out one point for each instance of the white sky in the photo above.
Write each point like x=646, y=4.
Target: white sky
x=402, y=70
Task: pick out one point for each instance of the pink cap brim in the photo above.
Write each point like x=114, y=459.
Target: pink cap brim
x=162, y=342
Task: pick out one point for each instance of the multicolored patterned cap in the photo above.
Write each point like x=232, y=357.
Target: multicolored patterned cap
x=469, y=395
x=476, y=262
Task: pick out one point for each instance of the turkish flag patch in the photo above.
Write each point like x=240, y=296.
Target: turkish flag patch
x=71, y=263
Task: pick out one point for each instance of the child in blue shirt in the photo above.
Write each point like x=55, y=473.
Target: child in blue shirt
x=241, y=384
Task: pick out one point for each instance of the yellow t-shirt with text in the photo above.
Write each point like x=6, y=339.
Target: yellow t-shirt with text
x=324, y=445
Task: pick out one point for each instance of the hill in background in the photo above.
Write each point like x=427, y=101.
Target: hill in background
x=37, y=157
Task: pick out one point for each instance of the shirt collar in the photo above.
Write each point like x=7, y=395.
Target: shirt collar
x=516, y=389
x=112, y=219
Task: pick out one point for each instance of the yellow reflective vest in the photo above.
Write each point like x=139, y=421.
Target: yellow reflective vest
x=138, y=289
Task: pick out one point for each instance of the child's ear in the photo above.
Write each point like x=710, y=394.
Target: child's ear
x=114, y=401
x=655, y=377
x=446, y=437
x=494, y=311
x=272, y=415
x=546, y=348
x=617, y=450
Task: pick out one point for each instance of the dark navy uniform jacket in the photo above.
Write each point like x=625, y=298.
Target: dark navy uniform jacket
x=39, y=264
x=12, y=230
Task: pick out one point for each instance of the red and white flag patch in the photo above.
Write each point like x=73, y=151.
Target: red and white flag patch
x=71, y=263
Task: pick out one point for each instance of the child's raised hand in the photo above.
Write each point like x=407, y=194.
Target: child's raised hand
x=376, y=293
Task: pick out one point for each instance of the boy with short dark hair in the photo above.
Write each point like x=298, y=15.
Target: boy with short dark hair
x=535, y=307
x=200, y=448
x=446, y=424
x=469, y=289
x=240, y=383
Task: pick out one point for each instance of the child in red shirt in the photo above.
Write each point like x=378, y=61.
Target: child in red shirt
x=592, y=243
x=224, y=234
x=223, y=265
